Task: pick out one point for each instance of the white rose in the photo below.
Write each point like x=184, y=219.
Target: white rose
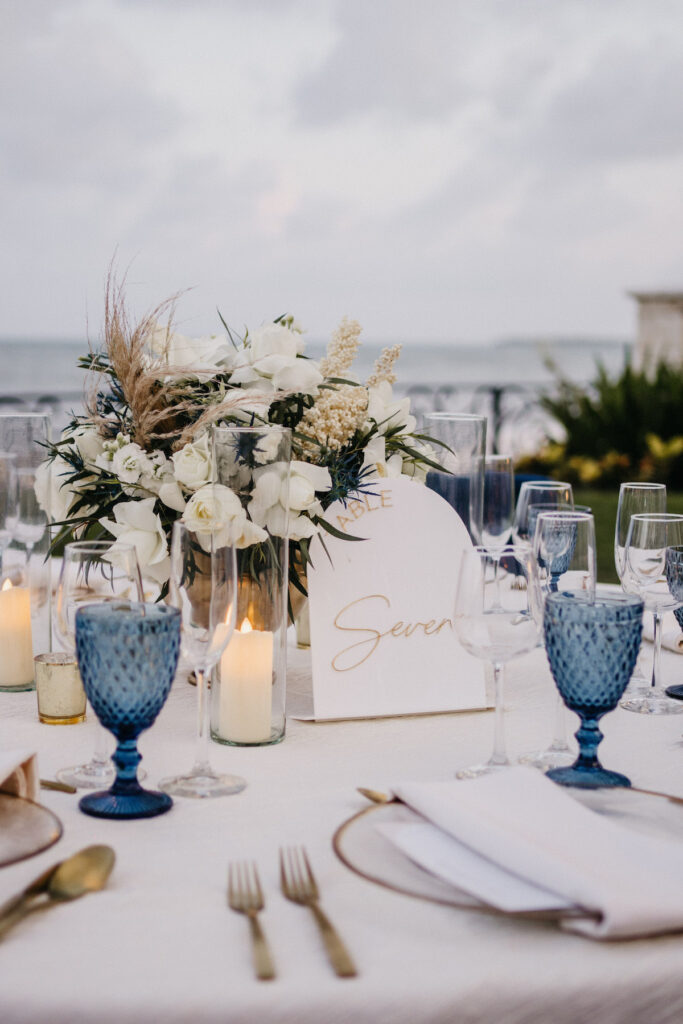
x=188, y=358
x=137, y=524
x=54, y=494
x=192, y=464
x=130, y=463
x=273, y=500
x=216, y=510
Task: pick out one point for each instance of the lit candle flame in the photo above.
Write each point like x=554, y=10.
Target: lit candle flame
x=246, y=626
x=7, y=585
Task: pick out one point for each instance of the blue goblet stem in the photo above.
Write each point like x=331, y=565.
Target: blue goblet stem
x=126, y=758
x=589, y=737
x=554, y=580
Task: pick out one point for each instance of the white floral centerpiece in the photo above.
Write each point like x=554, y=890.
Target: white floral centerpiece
x=140, y=457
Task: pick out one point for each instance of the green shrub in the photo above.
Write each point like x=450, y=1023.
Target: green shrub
x=627, y=427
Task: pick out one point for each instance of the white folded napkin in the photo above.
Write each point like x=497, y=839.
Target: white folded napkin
x=19, y=773
x=672, y=637
x=534, y=829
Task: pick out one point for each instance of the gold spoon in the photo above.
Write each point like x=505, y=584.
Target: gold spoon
x=85, y=871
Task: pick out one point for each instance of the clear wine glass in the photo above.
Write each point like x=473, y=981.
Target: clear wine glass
x=549, y=493
x=564, y=559
x=31, y=522
x=649, y=535
x=93, y=572
x=203, y=586
x=495, y=624
x=635, y=497
x=8, y=502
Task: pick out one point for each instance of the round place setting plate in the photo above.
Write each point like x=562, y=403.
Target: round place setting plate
x=25, y=829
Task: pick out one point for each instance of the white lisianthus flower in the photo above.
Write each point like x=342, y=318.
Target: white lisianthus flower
x=381, y=468
x=387, y=412
x=216, y=510
x=286, y=511
x=188, y=358
x=159, y=480
x=417, y=470
x=272, y=354
x=192, y=464
x=130, y=463
x=136, y=523
x=88, y=441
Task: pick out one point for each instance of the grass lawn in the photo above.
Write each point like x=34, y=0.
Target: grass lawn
x=604, y=506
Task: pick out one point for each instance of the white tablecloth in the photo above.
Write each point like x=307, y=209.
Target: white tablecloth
x=159, y=944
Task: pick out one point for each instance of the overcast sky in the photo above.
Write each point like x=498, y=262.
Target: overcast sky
x=439, y=169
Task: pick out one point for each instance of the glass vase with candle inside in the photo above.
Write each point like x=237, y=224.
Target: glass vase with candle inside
x=249, y=681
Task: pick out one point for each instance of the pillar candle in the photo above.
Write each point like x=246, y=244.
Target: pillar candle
x=16, y=644
x=246, y=692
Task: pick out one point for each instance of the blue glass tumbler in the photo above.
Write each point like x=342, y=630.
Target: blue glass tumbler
x=674, y=577
x=127, y=655
x=592, y=645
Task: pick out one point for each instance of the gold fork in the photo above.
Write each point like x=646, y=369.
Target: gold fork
x=299, y=885
x=246, y=897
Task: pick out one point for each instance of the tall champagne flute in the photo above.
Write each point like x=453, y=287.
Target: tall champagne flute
x=564, y=559
x=8, y=502
x=203, y=586
x=634, y=497
x=495, y=627
x=93, y=572
x=499, y=505
x=31, y=522
x=649, y=535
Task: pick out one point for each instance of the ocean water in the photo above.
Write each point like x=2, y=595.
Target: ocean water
x=44, y=375
x=46, y=368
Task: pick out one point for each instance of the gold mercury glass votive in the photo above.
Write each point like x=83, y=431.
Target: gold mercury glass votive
x=61, y=697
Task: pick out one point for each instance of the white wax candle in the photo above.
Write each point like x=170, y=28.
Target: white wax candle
x=16, y=643
x=246, y=693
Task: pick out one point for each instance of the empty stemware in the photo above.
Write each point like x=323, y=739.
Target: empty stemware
x=8, y=502
x=549, y=493
x=592, y=644
x=634, y=497
x=645, y=573
x=31, y=522
x=204, y=588
x=494, y=623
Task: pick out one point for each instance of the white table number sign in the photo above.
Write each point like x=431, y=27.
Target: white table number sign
x=382, y=636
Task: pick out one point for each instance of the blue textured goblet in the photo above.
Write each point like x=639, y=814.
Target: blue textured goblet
x=592, y=646
x=127, y=655
x=674, y=576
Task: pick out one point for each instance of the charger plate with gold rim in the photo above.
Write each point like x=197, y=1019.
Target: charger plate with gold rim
x=361, y=847
x=25, y=829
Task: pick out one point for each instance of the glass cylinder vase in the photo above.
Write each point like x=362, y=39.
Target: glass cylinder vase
x=249, y=683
